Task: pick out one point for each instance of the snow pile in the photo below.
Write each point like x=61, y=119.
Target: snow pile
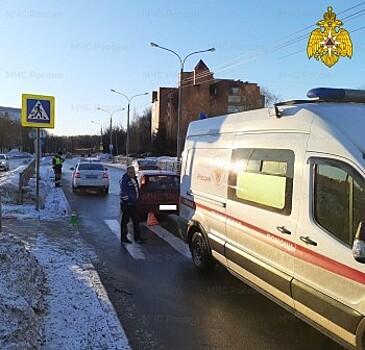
x=9, y=186
x=52, y=201
x=50, y=295
x=15, y=153
x=21, y=296
x=23, y=283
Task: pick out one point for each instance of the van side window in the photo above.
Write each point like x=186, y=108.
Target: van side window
x=262, y=178
x=338, y=198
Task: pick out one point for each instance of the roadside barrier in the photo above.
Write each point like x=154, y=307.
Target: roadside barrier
x=24, y=178
x=169, y=164
x=123, y=160
x=164, y=163
x=1, y=216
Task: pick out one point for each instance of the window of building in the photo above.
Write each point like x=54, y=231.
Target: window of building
x=339, y=198
x=234, y=99
x=213, y=89
x=262, y=178
x=235, y=91
x=235, y=109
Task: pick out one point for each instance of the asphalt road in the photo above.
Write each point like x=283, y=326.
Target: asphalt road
x=163, y=302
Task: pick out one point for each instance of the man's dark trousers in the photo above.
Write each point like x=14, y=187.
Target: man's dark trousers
x=57, y=175
x=130, y=212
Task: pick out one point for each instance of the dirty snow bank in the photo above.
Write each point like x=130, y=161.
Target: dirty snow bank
x=22, y=289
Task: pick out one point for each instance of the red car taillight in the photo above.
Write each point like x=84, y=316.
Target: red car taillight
x=105, y=175
x=77, y=175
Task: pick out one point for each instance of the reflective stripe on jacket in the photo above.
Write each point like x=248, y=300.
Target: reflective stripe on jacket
x=128, y=194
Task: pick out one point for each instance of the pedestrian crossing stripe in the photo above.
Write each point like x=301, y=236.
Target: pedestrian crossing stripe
x=38, y=111
x=134, y=250
x=139, y=252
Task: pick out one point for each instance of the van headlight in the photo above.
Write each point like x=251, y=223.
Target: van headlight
x=358, y=250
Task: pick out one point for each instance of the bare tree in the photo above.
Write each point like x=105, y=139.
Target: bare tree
x=270, y=97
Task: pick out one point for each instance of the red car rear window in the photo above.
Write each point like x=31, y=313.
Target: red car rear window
x=161, y=183
x=148, y=165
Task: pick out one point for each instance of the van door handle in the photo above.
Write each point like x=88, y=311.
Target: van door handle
x=189, y=193
x=307, y=240
x=283, y=229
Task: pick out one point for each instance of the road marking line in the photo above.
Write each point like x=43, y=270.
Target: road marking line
x=171, y=239
x=135, y=250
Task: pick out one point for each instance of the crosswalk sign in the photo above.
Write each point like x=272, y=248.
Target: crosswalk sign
x=38, y=111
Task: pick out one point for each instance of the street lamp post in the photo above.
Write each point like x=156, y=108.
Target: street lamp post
x=111, y=125
x=101, y=135
x=179, y=105
x=129, y=99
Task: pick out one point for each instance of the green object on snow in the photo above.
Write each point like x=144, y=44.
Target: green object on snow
x=73, y=220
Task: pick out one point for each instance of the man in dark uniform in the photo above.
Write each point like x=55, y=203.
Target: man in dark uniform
x=129, y=194
x=57, y=168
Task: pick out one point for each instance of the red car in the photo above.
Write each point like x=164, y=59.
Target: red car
x=160, y=192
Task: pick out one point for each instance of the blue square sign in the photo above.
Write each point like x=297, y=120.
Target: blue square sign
x=38, y=111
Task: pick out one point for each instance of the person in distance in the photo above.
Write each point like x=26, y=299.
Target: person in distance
x=57, y=168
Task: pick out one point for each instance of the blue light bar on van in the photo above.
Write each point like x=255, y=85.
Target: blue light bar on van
x=341, y=95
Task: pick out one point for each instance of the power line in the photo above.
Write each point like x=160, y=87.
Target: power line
x=241, y=60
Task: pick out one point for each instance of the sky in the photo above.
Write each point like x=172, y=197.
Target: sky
x=77, y=51
x=76, y=312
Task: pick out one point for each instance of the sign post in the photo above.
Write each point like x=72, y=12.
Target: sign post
x=38, y=176
x=38, y=112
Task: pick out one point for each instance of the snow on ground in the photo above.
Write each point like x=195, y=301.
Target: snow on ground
x=50, y=295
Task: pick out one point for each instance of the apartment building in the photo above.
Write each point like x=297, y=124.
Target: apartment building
x=202, y=95
x=12, y=113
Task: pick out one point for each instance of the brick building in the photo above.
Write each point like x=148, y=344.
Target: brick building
x=202, y=93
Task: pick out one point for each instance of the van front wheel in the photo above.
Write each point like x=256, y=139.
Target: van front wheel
x=202, y=258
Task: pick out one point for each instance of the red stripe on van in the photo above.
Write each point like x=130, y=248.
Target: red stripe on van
x=329, y=264
x=288, y=247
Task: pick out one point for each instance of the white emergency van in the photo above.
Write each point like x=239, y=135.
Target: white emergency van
x=277, y=196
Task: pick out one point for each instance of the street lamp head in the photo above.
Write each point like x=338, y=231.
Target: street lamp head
x=179, y=108
x=128, y=115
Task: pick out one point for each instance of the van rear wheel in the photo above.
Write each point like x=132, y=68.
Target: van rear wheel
x=202, y=258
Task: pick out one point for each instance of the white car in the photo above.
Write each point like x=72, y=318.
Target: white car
x=90, y=175
x=89, y=159
x=4, y=162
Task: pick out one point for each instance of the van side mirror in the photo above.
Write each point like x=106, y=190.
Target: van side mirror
x=358, y=247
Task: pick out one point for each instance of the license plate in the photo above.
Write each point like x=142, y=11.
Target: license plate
x=167, y=207
x=91, y=176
